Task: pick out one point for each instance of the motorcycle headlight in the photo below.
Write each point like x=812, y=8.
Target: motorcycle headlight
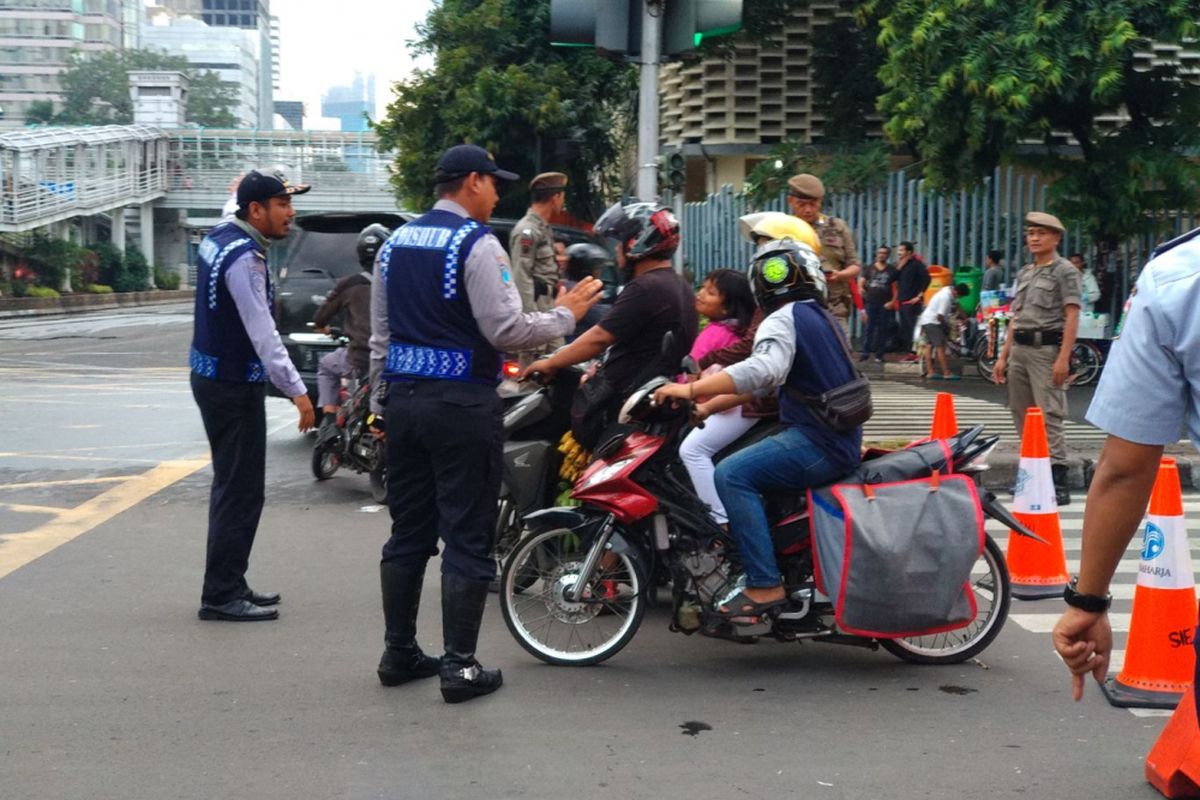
x=607, y=472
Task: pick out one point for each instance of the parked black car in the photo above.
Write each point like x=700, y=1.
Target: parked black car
x=317, y=254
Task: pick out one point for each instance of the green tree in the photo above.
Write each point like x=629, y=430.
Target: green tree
x=498, y=83
x=847, y=168
x=52, y=259
x=136, y=275
x=845, y=60
x=968, y=84
x=96, y=88
x=40, y=112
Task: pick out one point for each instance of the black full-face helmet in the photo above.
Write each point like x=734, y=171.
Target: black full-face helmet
x=643, y=229
x=784, y=271
x=584, y=259
x=370, y=239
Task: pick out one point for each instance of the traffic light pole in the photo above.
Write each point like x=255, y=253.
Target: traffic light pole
x=647, y=175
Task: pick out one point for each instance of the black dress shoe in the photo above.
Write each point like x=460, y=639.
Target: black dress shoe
x=268, y=599
x=240, y=610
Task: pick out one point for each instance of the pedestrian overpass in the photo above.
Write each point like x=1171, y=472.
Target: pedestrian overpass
x=69, y=180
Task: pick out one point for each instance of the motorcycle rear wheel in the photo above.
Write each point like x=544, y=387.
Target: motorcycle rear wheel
x=324, y=463
x=989, y=581
x=554, y=629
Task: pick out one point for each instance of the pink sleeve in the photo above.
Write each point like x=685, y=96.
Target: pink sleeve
x=715, y=336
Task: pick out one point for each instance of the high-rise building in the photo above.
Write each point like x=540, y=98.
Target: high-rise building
x=37, y=35
x=350, y=103
x=253, y=16
x=232, y=53
x=292, y=112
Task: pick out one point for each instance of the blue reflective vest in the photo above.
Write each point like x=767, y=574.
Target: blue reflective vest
x=432, y=331
x=221, y=348
x=820, y=364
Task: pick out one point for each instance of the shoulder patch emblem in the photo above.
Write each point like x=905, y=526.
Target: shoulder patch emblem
x=505, y=275
x=526, y=242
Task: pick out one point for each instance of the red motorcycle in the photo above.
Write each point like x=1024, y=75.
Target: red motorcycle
x=575, y=588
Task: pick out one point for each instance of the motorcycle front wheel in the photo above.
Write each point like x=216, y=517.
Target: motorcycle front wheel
x=324, y=463
x=542, y=618
x=989, y=582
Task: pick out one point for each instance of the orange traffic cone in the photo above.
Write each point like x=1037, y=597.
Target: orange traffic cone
x=1038, y=570
x=945, y=424
x=1159, y=659
x=1173, y=766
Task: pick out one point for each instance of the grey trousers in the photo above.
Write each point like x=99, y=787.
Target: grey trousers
x=330, y=371
x=1031, y=383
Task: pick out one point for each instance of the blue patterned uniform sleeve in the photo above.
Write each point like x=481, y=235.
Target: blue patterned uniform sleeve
x=246, y=280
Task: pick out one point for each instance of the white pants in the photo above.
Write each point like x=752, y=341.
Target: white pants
x=702, y=444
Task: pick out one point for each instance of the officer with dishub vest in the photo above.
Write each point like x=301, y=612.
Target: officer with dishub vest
x=235, y=350
x=1036, y=359
x=531, y=248
x=443, y=308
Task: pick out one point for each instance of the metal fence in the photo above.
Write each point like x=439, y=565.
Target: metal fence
x=953, y=230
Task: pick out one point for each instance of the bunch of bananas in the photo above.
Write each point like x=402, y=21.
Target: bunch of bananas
x=575, y=457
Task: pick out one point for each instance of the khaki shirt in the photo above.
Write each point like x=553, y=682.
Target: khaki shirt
x=531, y=250
x=1043, y=293
x=837, y=253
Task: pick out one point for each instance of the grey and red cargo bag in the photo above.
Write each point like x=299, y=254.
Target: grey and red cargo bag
x=895, y=558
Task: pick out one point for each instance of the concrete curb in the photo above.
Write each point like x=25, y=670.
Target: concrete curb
x=81, y=302
x=1002, y=472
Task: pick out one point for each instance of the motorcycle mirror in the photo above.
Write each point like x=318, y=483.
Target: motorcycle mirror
x=689, y=365
x=668, y=342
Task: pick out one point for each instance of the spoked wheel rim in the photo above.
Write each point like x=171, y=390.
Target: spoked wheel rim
x=989, y=582
x=378, y=477
x=1085, y=364
x=547, y=623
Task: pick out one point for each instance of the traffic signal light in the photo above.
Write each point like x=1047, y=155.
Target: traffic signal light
x=676, y=176
x=689, y=22
x=604, y=24
x=616, y=25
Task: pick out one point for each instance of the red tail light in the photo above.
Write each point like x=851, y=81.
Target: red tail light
x=511, y=369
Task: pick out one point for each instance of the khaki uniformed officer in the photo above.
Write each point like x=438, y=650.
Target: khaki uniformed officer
x=839, y=258
x=531, y=249
x=1036, y=359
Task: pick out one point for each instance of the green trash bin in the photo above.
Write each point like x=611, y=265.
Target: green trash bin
x=973, y=277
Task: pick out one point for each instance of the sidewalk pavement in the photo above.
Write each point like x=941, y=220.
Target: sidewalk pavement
x=81, y=302
x=1005, y=459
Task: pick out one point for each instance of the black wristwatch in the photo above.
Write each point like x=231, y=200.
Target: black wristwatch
x=1092, y=603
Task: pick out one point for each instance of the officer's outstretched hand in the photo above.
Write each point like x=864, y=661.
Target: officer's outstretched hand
x=581, y=297
x=308, y=417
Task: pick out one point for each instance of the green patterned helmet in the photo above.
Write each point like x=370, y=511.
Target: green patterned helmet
x=784, y=271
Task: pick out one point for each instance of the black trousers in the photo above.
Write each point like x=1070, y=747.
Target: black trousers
x=445, y=444
x=235, y=420
x=908, y=324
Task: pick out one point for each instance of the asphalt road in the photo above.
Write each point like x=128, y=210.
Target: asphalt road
x=111, y=688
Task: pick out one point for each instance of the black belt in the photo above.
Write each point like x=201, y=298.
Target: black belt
x=1037, y=338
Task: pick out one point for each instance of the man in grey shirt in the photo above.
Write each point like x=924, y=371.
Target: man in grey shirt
x=235, y=350
x=444, y=308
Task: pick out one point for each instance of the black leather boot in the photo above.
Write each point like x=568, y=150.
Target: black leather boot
x=462, y=610
x=1062, y=490
x=402, y=659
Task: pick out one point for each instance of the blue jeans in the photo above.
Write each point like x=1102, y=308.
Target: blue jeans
x=879, y=330
x=786, y=461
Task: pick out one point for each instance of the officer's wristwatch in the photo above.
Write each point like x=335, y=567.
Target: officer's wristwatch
x=1092, y=603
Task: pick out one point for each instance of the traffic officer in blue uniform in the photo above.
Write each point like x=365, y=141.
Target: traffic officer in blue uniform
x=235, y=350
x=444, y=308
x=1149, y=394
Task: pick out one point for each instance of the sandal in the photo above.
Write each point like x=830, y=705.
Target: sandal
x=953, y=378
x=741, y=605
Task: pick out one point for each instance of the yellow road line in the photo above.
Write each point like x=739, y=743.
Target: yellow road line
x=73, y=481
x=68, y=482
x=41, y=457
x=24, y=508
x=17, y=550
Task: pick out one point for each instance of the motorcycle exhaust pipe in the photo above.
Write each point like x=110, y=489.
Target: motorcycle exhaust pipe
x=991, y=507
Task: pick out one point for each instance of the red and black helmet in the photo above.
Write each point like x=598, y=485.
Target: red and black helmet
x=645, y=229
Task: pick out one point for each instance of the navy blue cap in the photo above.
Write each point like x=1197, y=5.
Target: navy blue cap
x=463, y=159
x=260, y=185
